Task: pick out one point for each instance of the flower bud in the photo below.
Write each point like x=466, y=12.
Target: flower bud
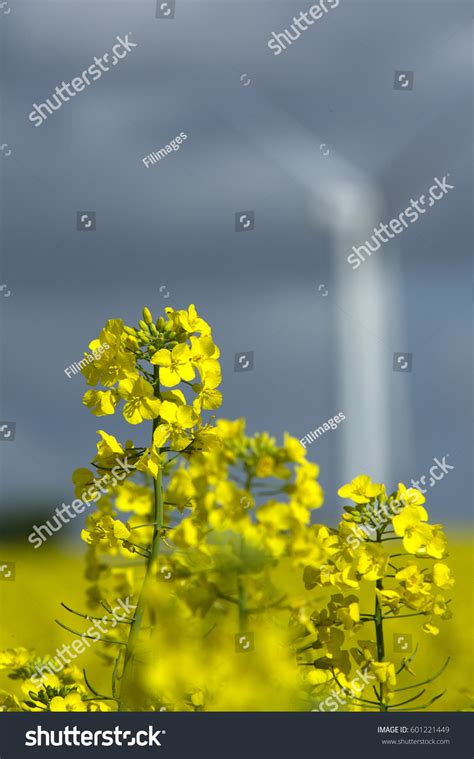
x=160, y=323
x=143, y=325
x=147, y=315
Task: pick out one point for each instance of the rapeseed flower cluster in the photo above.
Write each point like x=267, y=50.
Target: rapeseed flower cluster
x=202, y=531
x=408, y=580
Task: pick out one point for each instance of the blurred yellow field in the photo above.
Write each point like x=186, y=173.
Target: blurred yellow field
x=47, y=577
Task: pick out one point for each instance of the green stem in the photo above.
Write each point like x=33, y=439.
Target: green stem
x=378, y=621
x=429, y=680
x=225, y=597
x=90, y=617
x=241, y=592
x=137, y=623
x=242, y=599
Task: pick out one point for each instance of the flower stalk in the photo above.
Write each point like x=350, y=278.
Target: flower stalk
x=158, y=519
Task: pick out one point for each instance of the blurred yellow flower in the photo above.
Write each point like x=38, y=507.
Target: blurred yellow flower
x=70, y=703
x=410, y=496
x=361, y=489
x=442, y=576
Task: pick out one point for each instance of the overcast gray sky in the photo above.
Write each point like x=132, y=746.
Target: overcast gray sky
x=258, y=143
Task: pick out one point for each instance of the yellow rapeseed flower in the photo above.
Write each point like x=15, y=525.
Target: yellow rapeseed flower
x=70, y=703
x=141, y=402
x=361, y=489
x=175, y=365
